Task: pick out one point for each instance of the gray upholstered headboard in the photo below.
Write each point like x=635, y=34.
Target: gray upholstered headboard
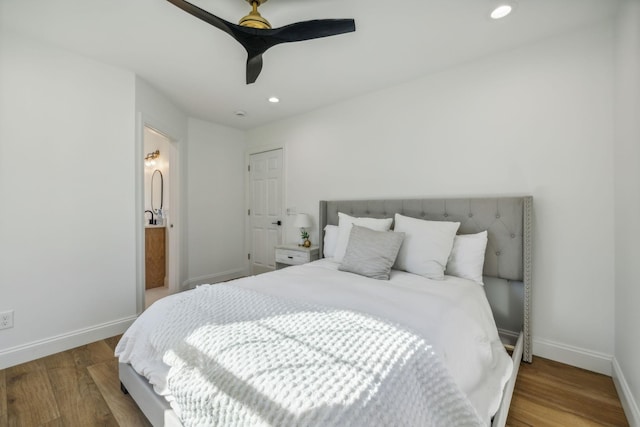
x=507, y=266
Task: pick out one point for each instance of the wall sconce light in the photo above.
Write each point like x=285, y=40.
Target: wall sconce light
x=150, y=159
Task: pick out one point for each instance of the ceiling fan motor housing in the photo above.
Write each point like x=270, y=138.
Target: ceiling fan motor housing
x=254, y=19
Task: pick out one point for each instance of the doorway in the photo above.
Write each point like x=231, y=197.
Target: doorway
x=266, y=188
x=158, y=188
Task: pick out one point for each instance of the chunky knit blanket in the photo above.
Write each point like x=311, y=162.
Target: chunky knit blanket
x=241, y=358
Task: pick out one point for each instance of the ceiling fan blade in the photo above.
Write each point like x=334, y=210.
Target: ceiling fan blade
x=207, y=17
x=256, y=42
x=315, y=29
x=254, y=66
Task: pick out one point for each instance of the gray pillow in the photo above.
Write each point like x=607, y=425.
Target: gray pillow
x=371, y=253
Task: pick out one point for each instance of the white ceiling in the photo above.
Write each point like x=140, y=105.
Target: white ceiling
x=202, y=70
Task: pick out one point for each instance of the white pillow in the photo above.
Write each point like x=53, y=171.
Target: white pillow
x=426, y=247
x=345, y=222
x=467, y=256
x=330, y=240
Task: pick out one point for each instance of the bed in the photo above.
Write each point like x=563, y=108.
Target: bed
x=380, y=338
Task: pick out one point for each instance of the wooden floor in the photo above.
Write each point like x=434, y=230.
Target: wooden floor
x=80, y=387
x=549, y=393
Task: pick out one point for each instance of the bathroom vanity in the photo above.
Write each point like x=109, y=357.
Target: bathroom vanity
x=154, y=250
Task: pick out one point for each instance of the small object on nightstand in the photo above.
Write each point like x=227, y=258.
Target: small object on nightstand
x=302, y=222
x=304, y=238
x=287, y=255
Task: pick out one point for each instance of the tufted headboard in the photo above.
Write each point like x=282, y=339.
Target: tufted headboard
x=507, y=266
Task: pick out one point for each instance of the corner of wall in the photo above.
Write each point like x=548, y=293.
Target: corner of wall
x=627, y=399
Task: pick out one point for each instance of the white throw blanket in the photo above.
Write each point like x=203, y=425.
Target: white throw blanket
x=239, y=357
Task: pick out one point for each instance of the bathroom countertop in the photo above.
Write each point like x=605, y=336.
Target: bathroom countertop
x=154, y=226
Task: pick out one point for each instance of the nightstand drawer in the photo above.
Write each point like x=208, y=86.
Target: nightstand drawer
x=291, y=257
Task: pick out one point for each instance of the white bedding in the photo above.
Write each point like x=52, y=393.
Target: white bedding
x=453, y=315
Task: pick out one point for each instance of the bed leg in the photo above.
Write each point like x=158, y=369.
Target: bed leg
x=123, y=388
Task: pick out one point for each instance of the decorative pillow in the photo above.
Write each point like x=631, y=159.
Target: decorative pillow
x=427, y=246
x=371, y=253
x=467, y=256
x=344, y=230
x=330, y=240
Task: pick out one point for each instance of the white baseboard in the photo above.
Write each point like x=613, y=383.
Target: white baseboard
x=574, y=356
x=508, y=337
x=45, y=347
x=214, y=278
x=629, y=404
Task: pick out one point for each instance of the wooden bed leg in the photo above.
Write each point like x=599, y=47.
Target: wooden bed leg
x=123, y=388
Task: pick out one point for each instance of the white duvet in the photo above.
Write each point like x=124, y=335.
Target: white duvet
x=452, y=316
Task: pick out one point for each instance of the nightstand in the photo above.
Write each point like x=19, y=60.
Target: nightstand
x=287, y=255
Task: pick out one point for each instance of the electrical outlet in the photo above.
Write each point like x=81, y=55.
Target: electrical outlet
x=6, y=319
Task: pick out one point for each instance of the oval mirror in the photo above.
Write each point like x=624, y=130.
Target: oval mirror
x=157, y=190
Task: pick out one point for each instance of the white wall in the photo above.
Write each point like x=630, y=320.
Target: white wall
x=159, y=112
x=67, y=264
x=627, y=231
x=536, y=120
x=216, y=213
x=71, y=181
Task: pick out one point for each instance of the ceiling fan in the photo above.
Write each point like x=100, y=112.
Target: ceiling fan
x=255, y=34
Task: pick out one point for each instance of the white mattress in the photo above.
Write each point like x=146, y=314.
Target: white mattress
x=452, y=314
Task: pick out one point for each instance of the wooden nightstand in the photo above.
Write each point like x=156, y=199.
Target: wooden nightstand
x=287, y=255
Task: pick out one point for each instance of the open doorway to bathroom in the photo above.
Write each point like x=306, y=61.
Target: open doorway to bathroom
x=158, y=154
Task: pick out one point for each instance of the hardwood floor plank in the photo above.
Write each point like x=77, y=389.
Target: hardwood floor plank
x=91, y=354
x=78, y=397
x=122, y=406
x=513, y=421
x=24, y=382
x=539, y=415
x=573, y=380
x=58, y=422
x=3, y=399
x=591, y=396
x=113, y=342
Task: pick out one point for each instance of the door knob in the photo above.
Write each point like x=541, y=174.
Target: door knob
x=277, y=222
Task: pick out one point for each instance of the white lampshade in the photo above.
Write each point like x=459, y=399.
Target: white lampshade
x=302, y=221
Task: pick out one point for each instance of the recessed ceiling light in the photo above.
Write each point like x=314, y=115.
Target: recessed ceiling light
x=274, y=99
x=240, y=113
x=501, y=11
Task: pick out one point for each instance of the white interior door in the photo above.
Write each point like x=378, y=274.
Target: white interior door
x=265, y=171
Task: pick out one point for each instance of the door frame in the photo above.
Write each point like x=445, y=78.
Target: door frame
x=248, y=242
x=176, y=158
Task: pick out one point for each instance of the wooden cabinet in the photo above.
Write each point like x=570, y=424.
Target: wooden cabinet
x=154, y=254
